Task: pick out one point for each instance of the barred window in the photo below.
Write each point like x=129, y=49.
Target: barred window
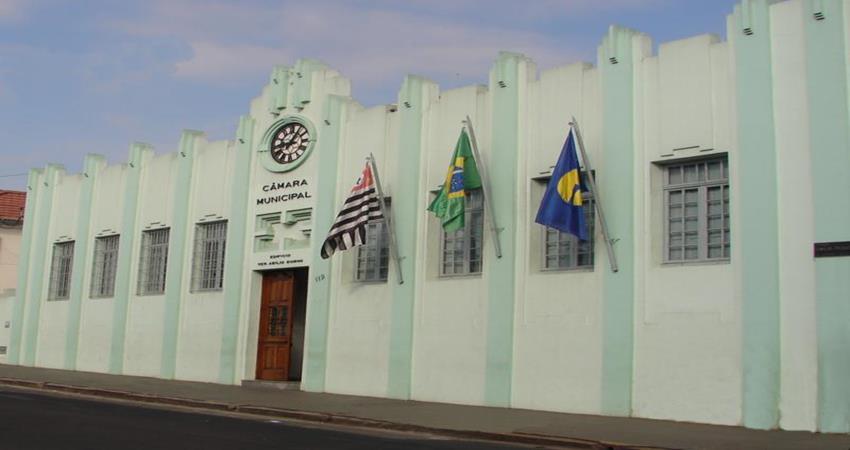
x=462, y=249
x=564, y=251
x=60, y=271
x=153, y=261
x=696, y=204
x=208, y=258
x=103, y=269
x=373, y=258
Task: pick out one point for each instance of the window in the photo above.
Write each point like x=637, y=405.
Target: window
x=462, y=249
x=565, y=251
x=208, y=259
x=103, y=271
x=373, y=258
x=60, y=271
x=696, y=204
x=153, y=261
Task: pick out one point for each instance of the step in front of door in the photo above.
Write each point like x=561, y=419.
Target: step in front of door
x=277, y=385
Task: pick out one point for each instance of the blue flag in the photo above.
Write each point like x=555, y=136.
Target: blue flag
x=561, y=207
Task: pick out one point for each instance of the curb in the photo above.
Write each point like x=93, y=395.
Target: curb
x=327, y=418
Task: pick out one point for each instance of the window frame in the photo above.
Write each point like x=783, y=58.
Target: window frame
x=575, y=243
x=467, y=248
x=379, y=273
x=99, y=270
x=702, y=186
x=55, y=291
x=143, y=281
x=202, y=254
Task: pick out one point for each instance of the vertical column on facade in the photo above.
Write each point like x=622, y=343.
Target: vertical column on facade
x=92, y=165
x=40, y=263
x=619, y=55
x=319, y=291
x=508, y=89
x=826, y=42
x=757, y=208
x=177, y=250
x=414, y=100
x=234, y=267
x=139, y=154
x=34, y=192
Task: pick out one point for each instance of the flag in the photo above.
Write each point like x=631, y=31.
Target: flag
x=360, y=208
x=462, y=176
x=561, y=207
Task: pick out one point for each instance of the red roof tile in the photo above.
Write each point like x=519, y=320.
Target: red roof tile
x=12, y=205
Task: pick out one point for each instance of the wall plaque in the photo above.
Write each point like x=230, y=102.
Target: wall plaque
x=828, y=249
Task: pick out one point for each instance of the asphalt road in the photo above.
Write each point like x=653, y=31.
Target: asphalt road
x=36, y=421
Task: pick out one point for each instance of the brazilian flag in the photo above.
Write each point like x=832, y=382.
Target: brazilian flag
x=450, y=204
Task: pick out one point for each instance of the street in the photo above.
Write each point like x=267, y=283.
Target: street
x=31, y=420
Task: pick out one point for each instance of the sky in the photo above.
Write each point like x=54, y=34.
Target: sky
x=94, y=76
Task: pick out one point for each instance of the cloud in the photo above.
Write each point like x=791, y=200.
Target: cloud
x=212, y=61
x=371, y=43
x=10, y=9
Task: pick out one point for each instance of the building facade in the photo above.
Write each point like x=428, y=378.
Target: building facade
x=11, y=223
x=722, y=166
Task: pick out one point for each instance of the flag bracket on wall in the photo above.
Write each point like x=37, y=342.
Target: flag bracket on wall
x=591, y=178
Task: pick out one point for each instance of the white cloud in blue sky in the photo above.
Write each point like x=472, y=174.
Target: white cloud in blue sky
x=94, y=76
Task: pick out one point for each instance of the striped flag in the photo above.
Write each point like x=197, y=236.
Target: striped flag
x=362, y=206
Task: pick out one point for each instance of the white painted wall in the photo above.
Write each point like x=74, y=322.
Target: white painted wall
x=53, y=320
x=358, y=345
x=7, y=298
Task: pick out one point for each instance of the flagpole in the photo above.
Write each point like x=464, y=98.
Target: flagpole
x=597, y=199
x=485, y=186
x=387, y=218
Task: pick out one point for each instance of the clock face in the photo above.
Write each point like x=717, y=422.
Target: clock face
x=289, y=142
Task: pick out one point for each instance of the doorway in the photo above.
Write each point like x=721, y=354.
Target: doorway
x=280, y=346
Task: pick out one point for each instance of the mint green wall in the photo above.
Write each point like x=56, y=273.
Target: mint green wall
x=830, y=145
x=501, y=272
x=406, y=210
x=616, y=183
x=318, y=294
x=40, y=264
x=757, y=197
x=91, y=166
x=234, y=268
x=177, y=247
x=34, y=183
x=128, y=240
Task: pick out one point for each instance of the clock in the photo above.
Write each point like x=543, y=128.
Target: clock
x=287, y=143
x=290, y=142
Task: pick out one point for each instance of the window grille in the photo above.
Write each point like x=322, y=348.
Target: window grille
x=208, y=258
x=373, y=258
x=153, y=261
x=103, y=269
x=565, y=251
x=696, y=204
x=462, y=249
x=60, y=271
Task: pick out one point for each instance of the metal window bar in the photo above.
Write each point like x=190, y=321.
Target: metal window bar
x=462, y=251
x=208, y=258
x=564, y=251
x=697, y=211
x=60, y=271
x=373, y=258
x=104, y=266
x=153, y=262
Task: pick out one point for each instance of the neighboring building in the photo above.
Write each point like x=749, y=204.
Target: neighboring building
x=11, y=223
x=721, y=166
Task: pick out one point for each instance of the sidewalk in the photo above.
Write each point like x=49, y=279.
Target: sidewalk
x=513, y=425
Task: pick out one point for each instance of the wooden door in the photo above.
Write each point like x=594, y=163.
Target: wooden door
x=275, y=337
